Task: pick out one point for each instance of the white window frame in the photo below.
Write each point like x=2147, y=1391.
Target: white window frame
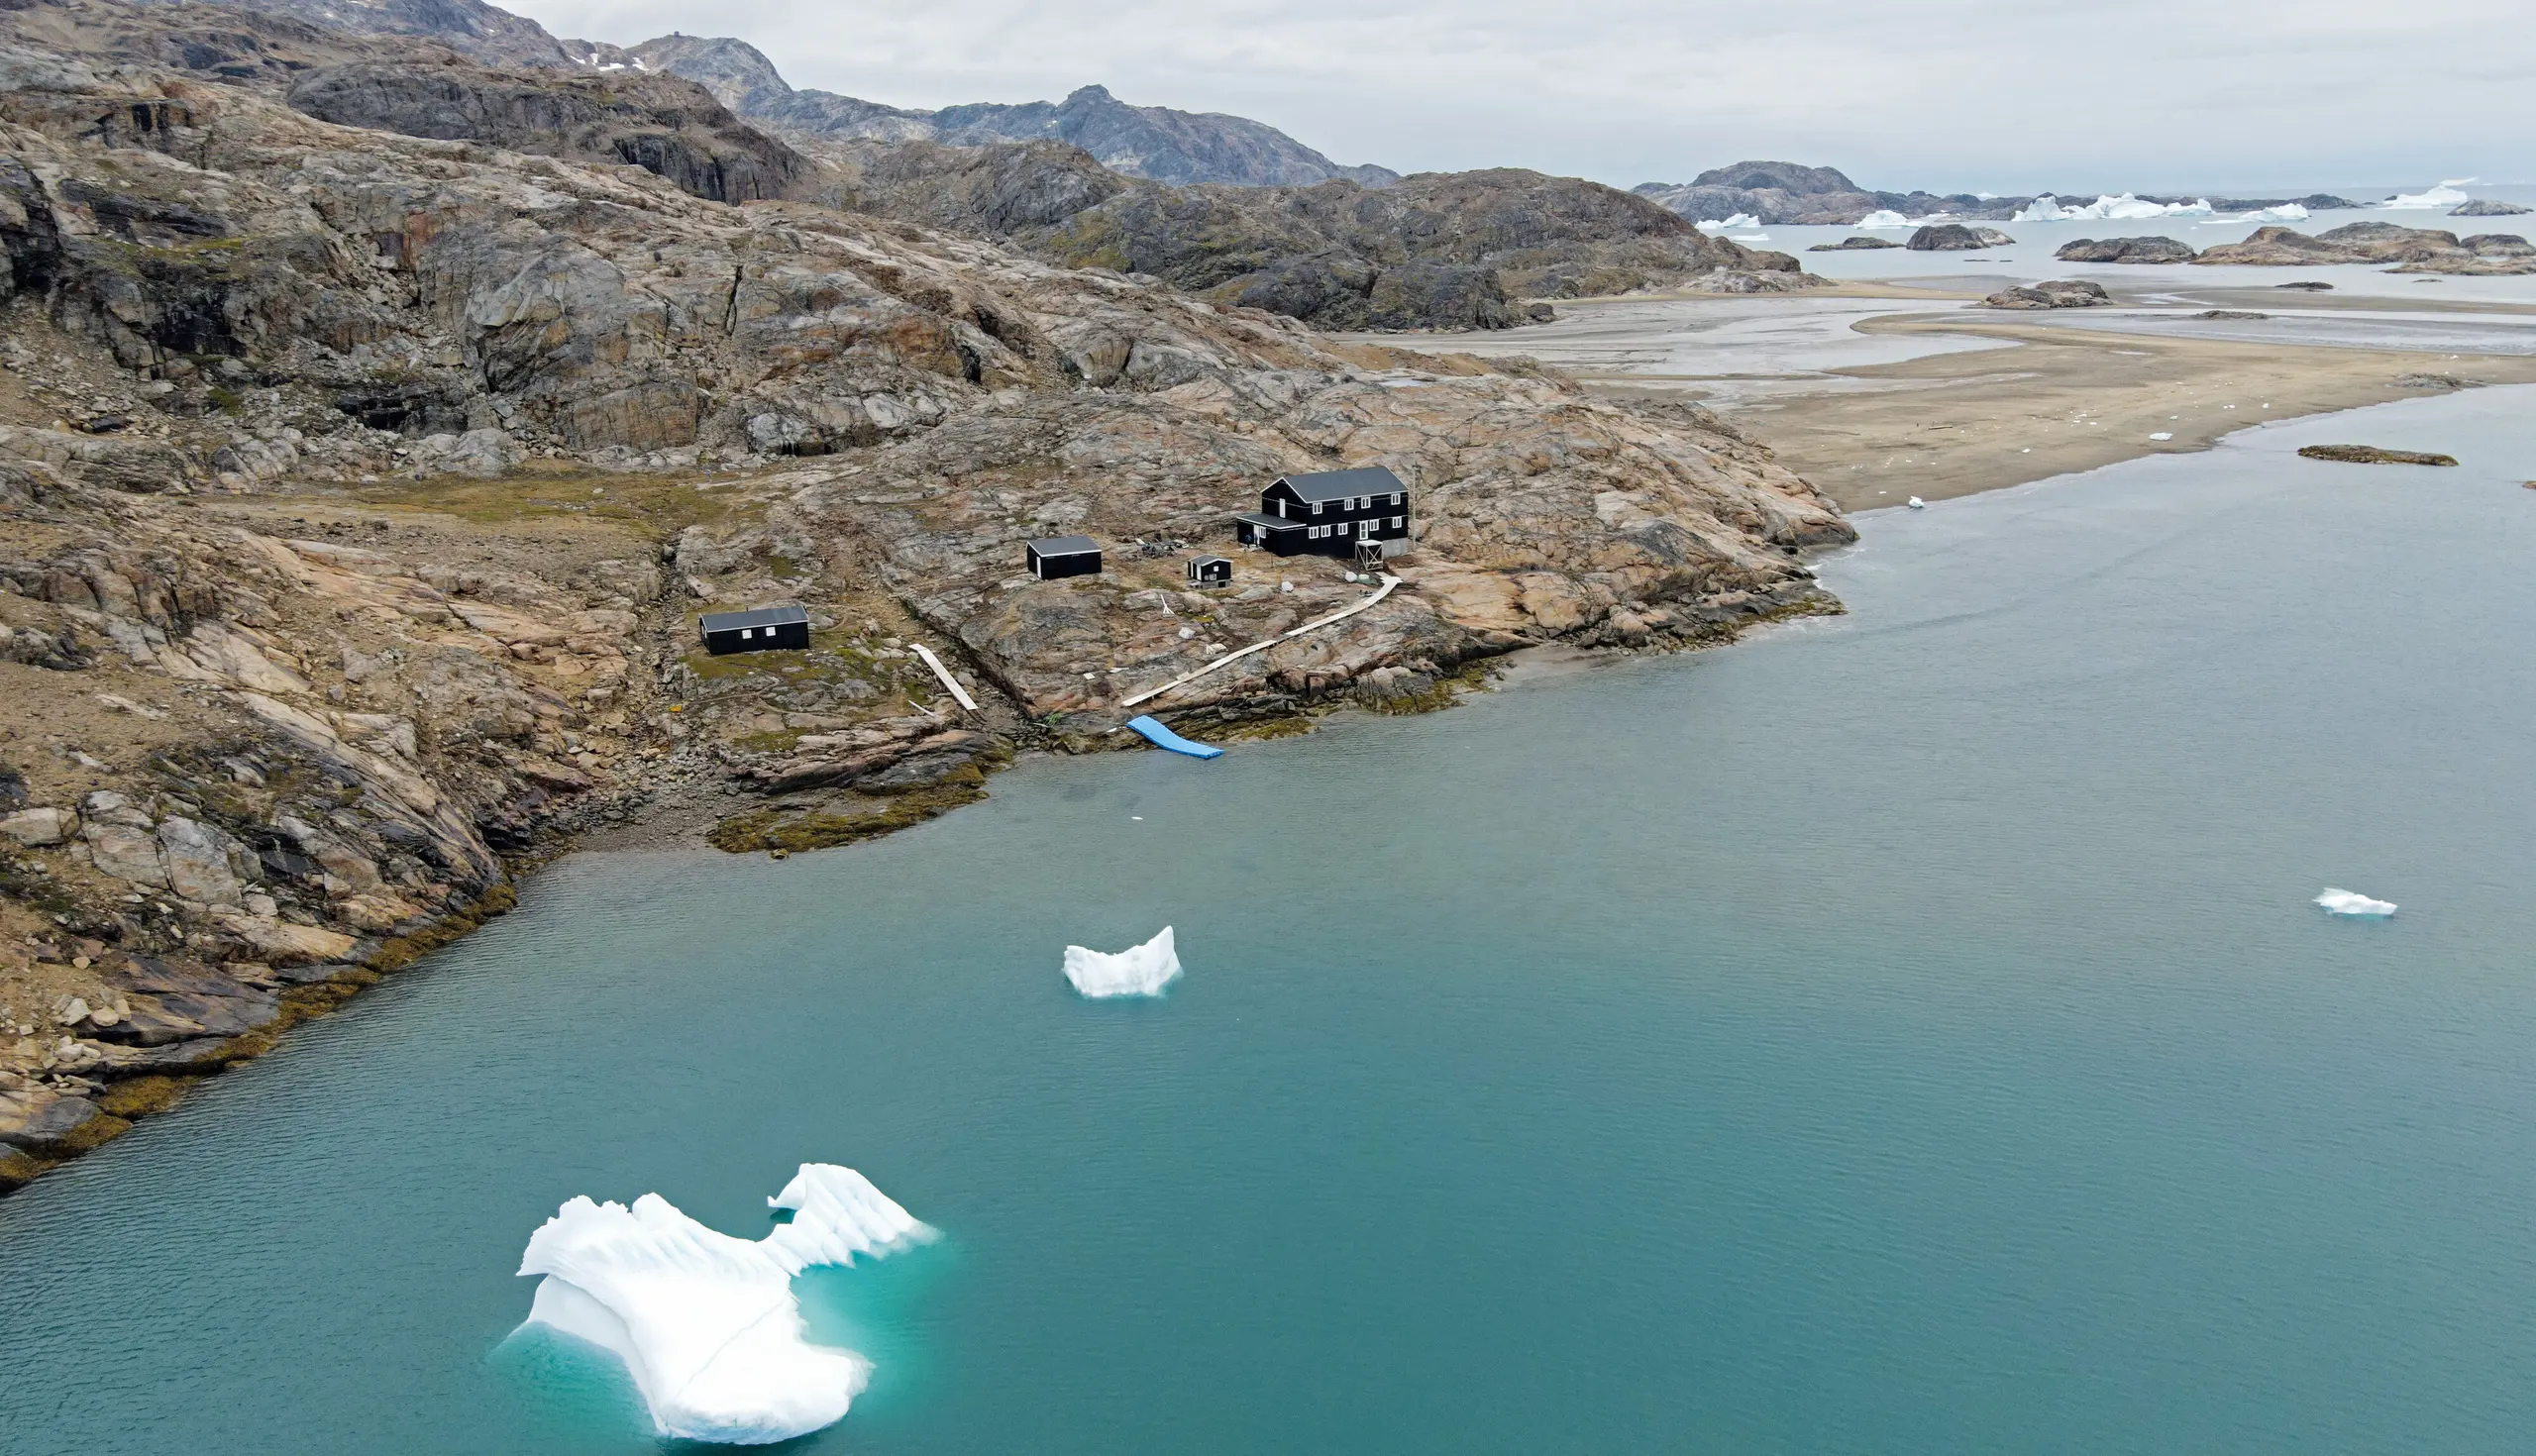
x=1316, y=507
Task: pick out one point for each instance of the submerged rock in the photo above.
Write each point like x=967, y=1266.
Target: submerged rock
x=2371, y=455
x=2060, y=293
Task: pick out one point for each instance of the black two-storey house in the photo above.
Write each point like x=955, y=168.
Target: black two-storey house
x=1328, y=513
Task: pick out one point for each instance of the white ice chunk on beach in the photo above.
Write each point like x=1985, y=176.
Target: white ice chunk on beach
x=707, y=1323
x=1139, y=971
x=2351, y=903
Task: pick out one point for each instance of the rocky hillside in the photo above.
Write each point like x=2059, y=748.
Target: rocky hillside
x=358, y=490
x=1152, y=142
x=472, y=28
x=1437, y=250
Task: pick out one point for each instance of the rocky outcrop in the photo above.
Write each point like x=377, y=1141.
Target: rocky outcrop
x=2487, y=207
x=1956, y=237
x=1857, y=244
x=2060, y=293
x=2126, y=250
x=1787, y=193
x=2416, y=250
x=663, y=123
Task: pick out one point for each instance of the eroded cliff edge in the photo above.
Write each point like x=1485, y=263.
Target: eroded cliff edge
x=357, y=492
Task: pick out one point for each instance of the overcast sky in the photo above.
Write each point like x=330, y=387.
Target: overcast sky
x=1995, y=95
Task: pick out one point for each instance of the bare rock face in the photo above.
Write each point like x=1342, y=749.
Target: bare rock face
x=2126, y=250
x=2488, y=207
x=660, y=123
x=2058, y=293
x=1857, y=244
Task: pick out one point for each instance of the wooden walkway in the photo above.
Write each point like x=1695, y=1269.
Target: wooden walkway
x=944, y=674
x=1185, y=679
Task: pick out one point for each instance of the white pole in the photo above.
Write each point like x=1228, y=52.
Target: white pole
x=944, y=674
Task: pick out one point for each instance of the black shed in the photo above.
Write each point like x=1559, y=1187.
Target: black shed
x=1210, y=571
x=1052, y=557
x=763, y=629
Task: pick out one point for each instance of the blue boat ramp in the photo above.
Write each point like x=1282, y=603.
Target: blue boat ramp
x=1161, y=737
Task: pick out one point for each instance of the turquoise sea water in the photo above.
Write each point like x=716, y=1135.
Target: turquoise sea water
x=1901, y=1033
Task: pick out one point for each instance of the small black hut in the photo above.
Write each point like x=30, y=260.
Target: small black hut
x=1052, y=557
x=764, y=629
x=1210, y=571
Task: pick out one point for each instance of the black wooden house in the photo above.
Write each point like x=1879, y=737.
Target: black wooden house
x=764, y=629
x=1052, y=557
x=1327, y=513
x=1210, y=571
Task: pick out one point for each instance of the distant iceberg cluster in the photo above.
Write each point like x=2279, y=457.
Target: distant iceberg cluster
x=2351, y=903
x=2287, y=212
x=2444, y=195
x=1139, y=971
x=2125, y=208
x=707, y=1323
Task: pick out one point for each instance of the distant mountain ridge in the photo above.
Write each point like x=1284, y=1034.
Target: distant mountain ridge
x=1156, y=143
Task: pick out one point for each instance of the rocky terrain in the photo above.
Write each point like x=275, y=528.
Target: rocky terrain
x=1855, y=243
x=2413, y=250
x=358, y=490
x=2126, y=250
x=2488, y=207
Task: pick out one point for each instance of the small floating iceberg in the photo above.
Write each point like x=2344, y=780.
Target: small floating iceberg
x=1882, y=219
x=2351, y=903
x=707, y=1323
x=1139, y=971
x=1719, y=225
x=2047, y=209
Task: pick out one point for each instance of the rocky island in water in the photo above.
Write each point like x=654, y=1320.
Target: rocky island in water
x=377, y=414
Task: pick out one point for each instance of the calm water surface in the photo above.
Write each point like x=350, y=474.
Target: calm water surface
x=1903, y=1033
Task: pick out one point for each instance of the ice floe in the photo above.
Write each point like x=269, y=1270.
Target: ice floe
x=1885, y=218
x=2443, y=195
x=2351, y=903
x=1139, y=971
x=707, y=1323
x=2125, y=208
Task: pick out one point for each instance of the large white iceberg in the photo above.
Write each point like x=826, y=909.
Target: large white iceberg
x=2125, y=208
x=707, y=1323
x=2351, y=903
x=1886, y=217
x=1139, y=971
x=2443, y=195
x=1719, y=225
x=2286, y=211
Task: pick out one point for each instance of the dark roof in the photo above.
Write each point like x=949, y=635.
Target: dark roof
x=1339, y=484
x=1273, y=522
x=1064, y=545
x=774, y=616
